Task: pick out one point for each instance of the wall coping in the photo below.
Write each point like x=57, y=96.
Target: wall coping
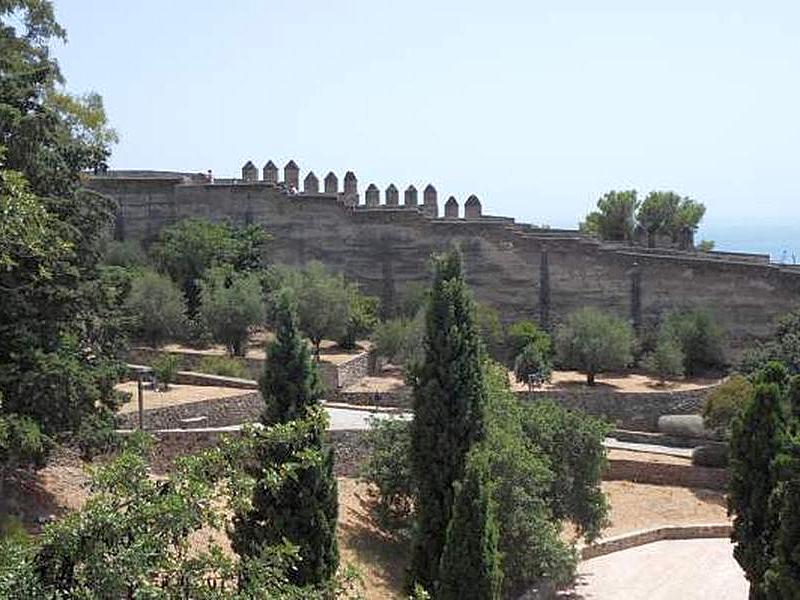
x=656, y=534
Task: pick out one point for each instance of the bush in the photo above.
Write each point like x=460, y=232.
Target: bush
x=388, y=468
x=363, y=318
x=165, y=368
x=593, y=342
x=490, y=329
x=96, y=435
x=157, y=308
x=231, y=304
x=666, y=361
x=525, y=333
x=699, y=337
x=124, y=254
x=399, y=340
x=225, y=366
x=725, y=402
x=711, y=455
x=532, y=366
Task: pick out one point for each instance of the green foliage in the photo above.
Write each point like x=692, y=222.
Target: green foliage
x=706, y=245
x=490, y=329
x=21, y=442
x=156, y=307
x=289, y=385
x=666, y=213
x=400, y=340
x=96, y=435
x=725, y=402
x=532, y=366
x=700, y=339
x=755, y=442
x=362, y=320
x=165, y=367
x=388, y=468
x=667, y=359
x=187, y=249
x=470, y=565
x=593, y=342
x=133, y=538
x=614, y=219
x=413, y=299
x=127, y=254
x=300, y=507
x=449, y=402
x=524, y=333
x=784, y=346
x=230, y=305
x=225, y=366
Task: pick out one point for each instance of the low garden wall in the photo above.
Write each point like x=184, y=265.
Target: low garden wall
x=625, y=410
x=215, y=412
x=648, y=536
x=395, y=399
x=660, y=473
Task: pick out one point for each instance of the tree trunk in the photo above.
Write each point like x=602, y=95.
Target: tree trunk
x=590, y=378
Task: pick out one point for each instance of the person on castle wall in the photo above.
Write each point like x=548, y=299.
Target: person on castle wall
x=209, y=176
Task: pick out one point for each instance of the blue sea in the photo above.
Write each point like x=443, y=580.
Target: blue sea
x=780, y=240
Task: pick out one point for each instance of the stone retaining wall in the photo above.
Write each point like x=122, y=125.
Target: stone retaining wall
x=398, y=399
x=218, y=412
x=648, y=536
x=683, y=475
x=625, y=410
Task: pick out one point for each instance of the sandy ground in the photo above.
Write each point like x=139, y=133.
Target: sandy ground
x=329, y=351
x=620, y=382
x=667, y=570
x=177, y=394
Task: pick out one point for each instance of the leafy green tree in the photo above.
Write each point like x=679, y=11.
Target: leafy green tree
x=666, y=213
x=614, y=219
x=449, y=402
x=231, y=304
x=128, y=254
x=470, y=565
x=700, y=338
x=289, y=384
x=399, y=340
x=593, y=342
x=525, y=333
x=362, y=320
x=667, y=359
x=706, y=245
x=726, y=401
x=783, y=346
x=156, y=306
x=188, y=248
x=301, y=508
x=532, y=366
x=755, y=442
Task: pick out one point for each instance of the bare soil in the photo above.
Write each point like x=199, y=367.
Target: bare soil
x=618, y=382
x=177, y=394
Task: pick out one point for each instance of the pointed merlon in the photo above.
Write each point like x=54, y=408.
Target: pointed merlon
x=372, y=196
x=331, y=183
x=451, y=208
x=472, y=208
x=311, y=183
x=392, y=195
x=410, y=196
x=249, y=171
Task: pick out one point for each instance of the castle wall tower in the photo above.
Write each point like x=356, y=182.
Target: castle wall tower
x=472, y=208
x=410, y=197
x=291, y=175
x=429, y=205
x=331, y=183
x=249, y=171
x=271, y=173
x=392, y=196
x=451, y=208
x=311, y=183
x=372, y=196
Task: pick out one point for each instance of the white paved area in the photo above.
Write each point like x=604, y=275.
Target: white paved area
x=668, y=570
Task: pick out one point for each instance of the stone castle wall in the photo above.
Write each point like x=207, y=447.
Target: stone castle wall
x=523, y=271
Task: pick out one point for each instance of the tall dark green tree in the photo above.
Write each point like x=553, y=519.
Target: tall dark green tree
x=756, y=439
x=449, y=403
x=302, y=508
x=58, y=328
x=289, y=384
x=470, y=565
x=615, y=217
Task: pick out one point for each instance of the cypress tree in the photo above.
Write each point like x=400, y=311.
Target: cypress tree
x=755, y=442
x=449, y=399
x=300, y=506
x=289, y=383
x=470, y=565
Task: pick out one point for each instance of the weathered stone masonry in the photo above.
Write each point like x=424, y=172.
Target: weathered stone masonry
x=524, y=271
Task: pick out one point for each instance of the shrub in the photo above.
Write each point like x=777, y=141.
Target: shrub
x=127, y=253
x=532, y=366
x=699, y=337
x=388, y=468
x=593, y=342
x=230, y=305
x=490, y=329
x=725, y=402
x=96, y=435
x=362, y=320
x=399, y=340
x=525, y=333
x=157, y=308
x=666, y=361
x=225, y=366
x=165, y=368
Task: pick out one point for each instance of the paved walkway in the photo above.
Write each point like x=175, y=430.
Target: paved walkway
x=668, y=570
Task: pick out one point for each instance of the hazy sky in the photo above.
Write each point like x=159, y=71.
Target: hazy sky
x=536, y=107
